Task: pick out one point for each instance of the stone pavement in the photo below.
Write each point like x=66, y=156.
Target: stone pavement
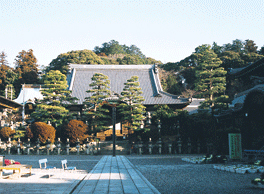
x=110, y=175
x=115, y=175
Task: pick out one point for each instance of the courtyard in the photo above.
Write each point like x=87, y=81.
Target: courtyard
x=167, y=173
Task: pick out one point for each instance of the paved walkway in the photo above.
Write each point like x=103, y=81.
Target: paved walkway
x=115, y=175
x=110, y=175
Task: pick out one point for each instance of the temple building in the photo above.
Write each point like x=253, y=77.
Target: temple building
x=246, y=112
x=80, y=78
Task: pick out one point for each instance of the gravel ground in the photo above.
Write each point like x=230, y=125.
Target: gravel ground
x=169, y=174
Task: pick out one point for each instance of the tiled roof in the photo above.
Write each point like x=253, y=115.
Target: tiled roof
x=80, y=78
x=241, y=97
x=238, y=72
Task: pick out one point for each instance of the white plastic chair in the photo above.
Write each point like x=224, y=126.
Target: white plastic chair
x=65, y=167
x=43, y=165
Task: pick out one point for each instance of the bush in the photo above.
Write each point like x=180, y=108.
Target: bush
x=76, y=129
x=6, y=132
x=43, y=131
x=29, y=133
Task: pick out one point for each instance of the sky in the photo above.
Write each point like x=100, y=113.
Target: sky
x=164, y=30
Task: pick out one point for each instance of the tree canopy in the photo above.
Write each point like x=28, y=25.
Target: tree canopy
x=62, y=62
x=210, y=76
x=95, y=112
x=56, y=98
x=232, y=55
x=7, y=74
x=113, y=47
x=132, y=111
x=26, y=68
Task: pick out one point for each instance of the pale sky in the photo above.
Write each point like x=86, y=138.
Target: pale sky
x=164, y=30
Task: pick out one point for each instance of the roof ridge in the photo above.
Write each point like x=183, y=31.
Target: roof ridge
x=94, y=66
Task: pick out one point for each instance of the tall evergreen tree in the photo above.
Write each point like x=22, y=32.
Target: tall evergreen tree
x=27, y=69
x=26, y=66
x=56, y=99
x=96, y=113
x=250, y=46
x=210, y=76
x=132, y=111
x=7, y=77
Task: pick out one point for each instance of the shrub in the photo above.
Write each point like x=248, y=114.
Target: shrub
x=76, y=129
x=43, y=131
x=6, y=132
x=29, y=133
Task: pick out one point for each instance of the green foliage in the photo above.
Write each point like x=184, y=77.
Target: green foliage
x=76, y=129
x=110, y=53
x=19, y=134
x=123, y=54
x=210, y=76
x=250, y=47
x=233, y=55
x=27, y=69
x=113, y=47
x=171, y=66
x=231, y=59
x=173, y=85
x=132, y=111
x=43, y=131
x=163, y=112
x=6, y=132
x=261, y=51
x=95, y=112
x=7, y=75
x=56, y=99
x=251, y=57
x=100, y=89
x=62, y=62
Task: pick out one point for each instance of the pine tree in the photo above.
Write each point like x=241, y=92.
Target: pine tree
x=210, y=76
x=4, y=68
x=26, y=66
x=132, y=111
x=56, y=99
x=95, y=112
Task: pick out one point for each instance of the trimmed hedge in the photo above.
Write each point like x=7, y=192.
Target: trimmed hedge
x=43, y=131
x=6, y=132
x=76, y=129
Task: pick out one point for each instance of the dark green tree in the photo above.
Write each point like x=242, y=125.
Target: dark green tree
x=96, y=113
x=56, y=100
x=27, y=69
x=4, y=73
x=216, y=48
x=62, y=62
x=261, y=51
x=132, y=111
x=173, y=87
x=231, y=59
x=237, y=46
x=210, y=76
x=26, y=66
x=250, y=46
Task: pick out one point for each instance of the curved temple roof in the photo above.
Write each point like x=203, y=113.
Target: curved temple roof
x=244, y=71
x=29, y=93
x=80, y=78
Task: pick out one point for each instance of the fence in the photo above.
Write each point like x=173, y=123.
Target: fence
x=103, y=148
